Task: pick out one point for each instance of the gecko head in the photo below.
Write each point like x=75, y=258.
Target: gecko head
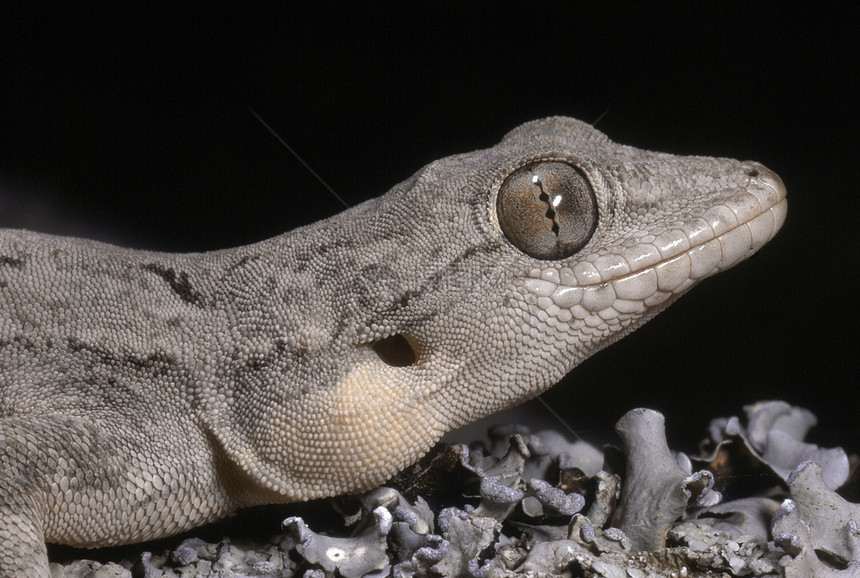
x=547, y=248
x=484, y=279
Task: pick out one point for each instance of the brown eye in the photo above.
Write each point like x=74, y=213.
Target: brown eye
x=547, y=210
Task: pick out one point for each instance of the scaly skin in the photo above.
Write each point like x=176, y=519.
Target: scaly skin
x=143, y=394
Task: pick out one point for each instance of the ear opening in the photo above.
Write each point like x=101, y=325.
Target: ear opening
x=396, y=351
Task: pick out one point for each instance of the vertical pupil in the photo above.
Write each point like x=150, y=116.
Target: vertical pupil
x=548, y=210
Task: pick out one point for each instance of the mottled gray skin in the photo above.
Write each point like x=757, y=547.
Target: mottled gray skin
x=143, y=394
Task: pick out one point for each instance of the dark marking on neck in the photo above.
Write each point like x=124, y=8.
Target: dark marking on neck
x=15, y=262
x=178, y=282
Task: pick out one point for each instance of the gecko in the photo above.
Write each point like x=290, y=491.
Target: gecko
x=143, y=394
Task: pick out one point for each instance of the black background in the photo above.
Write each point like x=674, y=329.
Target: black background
x=130, y=122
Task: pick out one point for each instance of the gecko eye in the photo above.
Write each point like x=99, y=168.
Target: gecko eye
x=547, y=210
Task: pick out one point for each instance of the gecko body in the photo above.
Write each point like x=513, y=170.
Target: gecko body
x=143, y=394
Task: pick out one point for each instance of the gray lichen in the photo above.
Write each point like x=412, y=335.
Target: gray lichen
x=817, y=527
x=757, y=501
x=354, y=557
x=657, y=490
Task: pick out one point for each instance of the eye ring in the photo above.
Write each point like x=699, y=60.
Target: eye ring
x=547, y=209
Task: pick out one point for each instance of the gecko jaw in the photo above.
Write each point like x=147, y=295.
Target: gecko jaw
x=647, y=275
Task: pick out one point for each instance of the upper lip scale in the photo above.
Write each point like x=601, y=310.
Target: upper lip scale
x=780, y=204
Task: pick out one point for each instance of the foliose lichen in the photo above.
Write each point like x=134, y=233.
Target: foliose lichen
x=757, y=500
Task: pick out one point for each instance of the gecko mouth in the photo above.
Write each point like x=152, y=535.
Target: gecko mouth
x=651, y=273
x=724, y=234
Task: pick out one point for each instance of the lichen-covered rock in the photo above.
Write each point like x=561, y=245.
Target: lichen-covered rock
x=89, y=569
x=524, y=507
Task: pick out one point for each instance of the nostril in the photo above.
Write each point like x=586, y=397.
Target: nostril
x=395, y=351
x=763, y=176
